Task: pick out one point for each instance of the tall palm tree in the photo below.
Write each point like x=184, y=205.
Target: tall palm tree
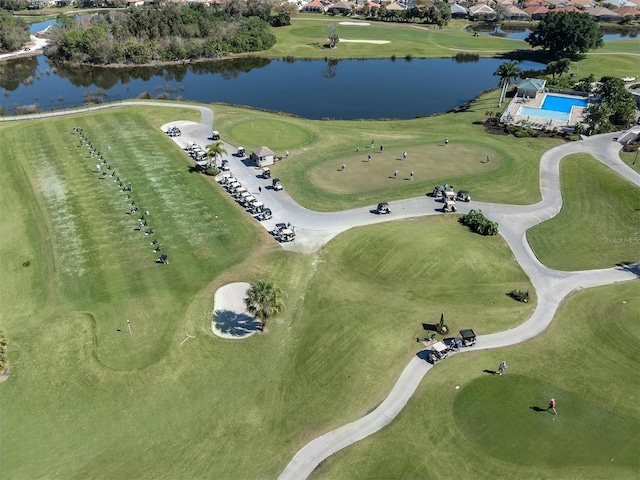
x=508, y=72
x=215, y=150
x=264, y=300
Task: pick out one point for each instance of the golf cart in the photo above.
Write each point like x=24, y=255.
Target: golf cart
x=438, y=192
x=468, y=337
x=383, y=208
x=241, y=197
x=265, y=214
x=255, y=207
x=275, y=183
x=449, y=196
x=215, y=135
x=241, y=152
x=266, y=173
x=286, y=235
x=449, y=206
x=439, y=351
x=248, y=200
x=225, y=167
x=463, y=196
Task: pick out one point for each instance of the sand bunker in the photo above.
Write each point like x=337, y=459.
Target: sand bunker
x=376, y=42
x=230, y=317
x=357, y=24
x=178, y=123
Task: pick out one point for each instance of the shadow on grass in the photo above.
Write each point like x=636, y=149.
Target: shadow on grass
x=430, y=327
x=492, y=372
x=538, y=409
x=235, y=324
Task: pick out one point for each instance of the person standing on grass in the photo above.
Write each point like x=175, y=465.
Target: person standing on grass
x=343, y=167
x=502, y=367
x=488, y=158
x=446, y=141
x=395, y=174
x=368, y=158
x=552, y=406
x=404, y=155
x=411, y=176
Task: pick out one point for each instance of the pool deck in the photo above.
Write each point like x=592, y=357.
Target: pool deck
x=511, y=115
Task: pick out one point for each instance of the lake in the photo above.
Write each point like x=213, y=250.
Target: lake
x=315, y=89
x=520, y=33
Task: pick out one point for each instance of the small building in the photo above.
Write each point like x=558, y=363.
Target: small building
x=483, y=12
x=262, y=156
x=511, y=12
x=603, y=14
x=530, y=87
x=537, y=12
x=458, y=11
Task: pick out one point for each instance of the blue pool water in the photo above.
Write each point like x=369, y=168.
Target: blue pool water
x=562, y=104
x=554, y=108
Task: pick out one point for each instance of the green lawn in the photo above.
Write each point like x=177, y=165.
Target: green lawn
x=86, y=399
x=599, y=224
x=487, y=428
x=310, y=175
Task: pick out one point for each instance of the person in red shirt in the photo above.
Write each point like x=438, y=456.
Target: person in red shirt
x=552, y=406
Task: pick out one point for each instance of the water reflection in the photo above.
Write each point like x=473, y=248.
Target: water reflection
x=315, y=89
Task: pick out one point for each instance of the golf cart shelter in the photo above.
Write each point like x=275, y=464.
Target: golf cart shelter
x=262, y=156
x=530, y=87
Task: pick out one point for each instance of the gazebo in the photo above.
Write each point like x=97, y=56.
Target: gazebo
x=530, y=87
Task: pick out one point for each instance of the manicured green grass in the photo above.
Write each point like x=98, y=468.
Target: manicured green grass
x=310, y=175
x=599, y=223
x=306, y=37
x=88, y=400
x=632, y=159
x=275, y=132
x=587, y=361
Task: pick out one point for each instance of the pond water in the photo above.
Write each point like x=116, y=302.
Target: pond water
x=40, y=26
x=520, y=33
x=315, y=89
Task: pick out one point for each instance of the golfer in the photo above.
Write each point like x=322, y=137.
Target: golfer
x=552, y=406
x=502, y=367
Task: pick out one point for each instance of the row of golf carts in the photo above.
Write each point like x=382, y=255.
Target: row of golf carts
x=198, y=153
x=449, y=197
x=244, y=197
x=441, y=350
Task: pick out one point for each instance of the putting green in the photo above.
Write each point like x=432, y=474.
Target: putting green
x=427, y=162
x=506, y=417
x=275, y=133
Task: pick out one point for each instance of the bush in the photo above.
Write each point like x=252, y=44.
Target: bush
x=478, y=223
x=211, y=171
x=145, y=95
x=520, y=295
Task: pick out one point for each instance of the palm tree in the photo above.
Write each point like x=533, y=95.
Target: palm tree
x=264, y=300
x=508, y=72
x=215, y=150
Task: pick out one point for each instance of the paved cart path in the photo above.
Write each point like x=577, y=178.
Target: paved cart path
x=314, y=229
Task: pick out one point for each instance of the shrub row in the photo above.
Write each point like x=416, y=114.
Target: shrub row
x=478, y=223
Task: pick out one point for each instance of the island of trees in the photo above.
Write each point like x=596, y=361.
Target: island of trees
x=168, y=33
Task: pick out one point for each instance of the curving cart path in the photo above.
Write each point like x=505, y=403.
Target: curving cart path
x=314, y=229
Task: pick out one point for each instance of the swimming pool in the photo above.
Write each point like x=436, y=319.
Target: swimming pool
x=562, y=104
x=554, y=107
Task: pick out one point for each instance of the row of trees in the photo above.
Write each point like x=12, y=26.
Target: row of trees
x=13, y=33
x=165, y=33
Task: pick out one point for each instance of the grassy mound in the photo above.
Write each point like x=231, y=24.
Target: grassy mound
x=599, y=224
x=582, y=434
x=586, y=360
x=276, y=133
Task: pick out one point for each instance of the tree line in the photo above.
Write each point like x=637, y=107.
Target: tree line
x=147, y=34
